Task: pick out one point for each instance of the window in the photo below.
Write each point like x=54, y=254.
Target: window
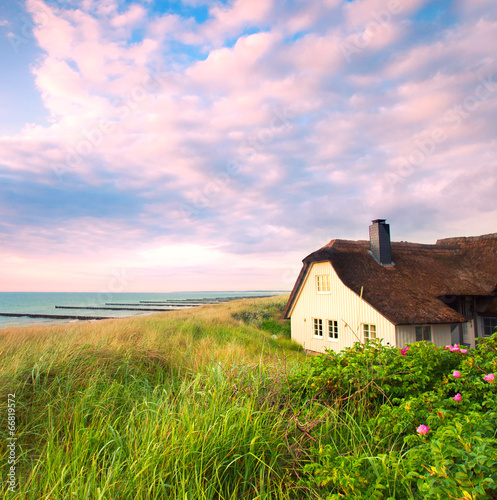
x=332, y=330
x=323, y=283
x=318, y=328
x=489, y=325
x=369, y=332
x=423, y=333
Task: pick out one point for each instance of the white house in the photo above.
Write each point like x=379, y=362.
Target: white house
x=351, y=291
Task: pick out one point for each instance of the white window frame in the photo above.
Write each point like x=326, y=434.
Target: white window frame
x=323, y=283
x=317, y=325
x=422, y=330
x=332, y=330
x=367, y=330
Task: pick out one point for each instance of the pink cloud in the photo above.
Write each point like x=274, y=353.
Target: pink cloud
x=423, y=101
x=53, y=33
x=476, y=8
x=89, y=43
x=318, y=54
x=464, y=45
x=359, y=14
x=134, y=15
x=152, y=127
x=302, y=19
x=171, y=25
x=226, y=69
x=242, y=13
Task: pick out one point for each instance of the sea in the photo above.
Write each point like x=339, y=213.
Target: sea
x=83, y=304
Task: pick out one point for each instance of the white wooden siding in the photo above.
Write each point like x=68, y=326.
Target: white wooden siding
x=405, y=335
x=440, y=334
x=469, y=332
x=342, y=305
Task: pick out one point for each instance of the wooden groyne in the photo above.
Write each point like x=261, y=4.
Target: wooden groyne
x=210, y=300
x=180, y=300
x=151, y=305
x=175, y=303
x=115, y=308
x=53, y=316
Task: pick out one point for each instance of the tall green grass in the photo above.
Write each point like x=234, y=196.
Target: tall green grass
x=133, y=430
x=209, y=403
x=188, y=405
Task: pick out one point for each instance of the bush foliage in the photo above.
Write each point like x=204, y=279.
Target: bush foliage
x=426, y=415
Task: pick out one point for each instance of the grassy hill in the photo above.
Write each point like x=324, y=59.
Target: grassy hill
x=217, y=403
x=178, y=405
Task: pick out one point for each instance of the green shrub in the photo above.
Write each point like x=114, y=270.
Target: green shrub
x=383, y=395
x=380, y=373
x=460, y=457
x=266, y=316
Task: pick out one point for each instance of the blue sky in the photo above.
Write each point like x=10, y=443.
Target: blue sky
x=193, y=145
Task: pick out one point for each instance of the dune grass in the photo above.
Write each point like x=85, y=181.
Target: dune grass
x=217, y=403
x=181, y=405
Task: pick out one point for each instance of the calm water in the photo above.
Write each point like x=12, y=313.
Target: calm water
x=44, y=303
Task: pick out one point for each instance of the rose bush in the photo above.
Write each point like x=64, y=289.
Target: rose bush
x=428, y=421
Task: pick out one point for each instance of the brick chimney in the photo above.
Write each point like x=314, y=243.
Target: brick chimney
x=379, y=240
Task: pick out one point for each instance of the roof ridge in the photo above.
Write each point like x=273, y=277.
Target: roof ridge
x=456, y=240
x=432, y=247
x=340, y=241
x=337, y=242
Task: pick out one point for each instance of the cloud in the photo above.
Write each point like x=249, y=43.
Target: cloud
x=246, y=140
x=239, y=15
x=133, y=16
x=230, y=69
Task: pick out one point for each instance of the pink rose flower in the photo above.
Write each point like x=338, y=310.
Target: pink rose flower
x=422, y=429
x=456, y=374
x=447, y=347
x=455, y=348
x=464, y=351
x=457, y=397
x=404, y=350
x=489, y=378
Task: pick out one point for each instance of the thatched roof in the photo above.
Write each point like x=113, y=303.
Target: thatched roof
x=419, y=288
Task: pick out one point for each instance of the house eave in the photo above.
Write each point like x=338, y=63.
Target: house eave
x=295, y=293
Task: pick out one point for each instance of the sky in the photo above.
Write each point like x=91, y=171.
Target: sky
x=160, y=146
